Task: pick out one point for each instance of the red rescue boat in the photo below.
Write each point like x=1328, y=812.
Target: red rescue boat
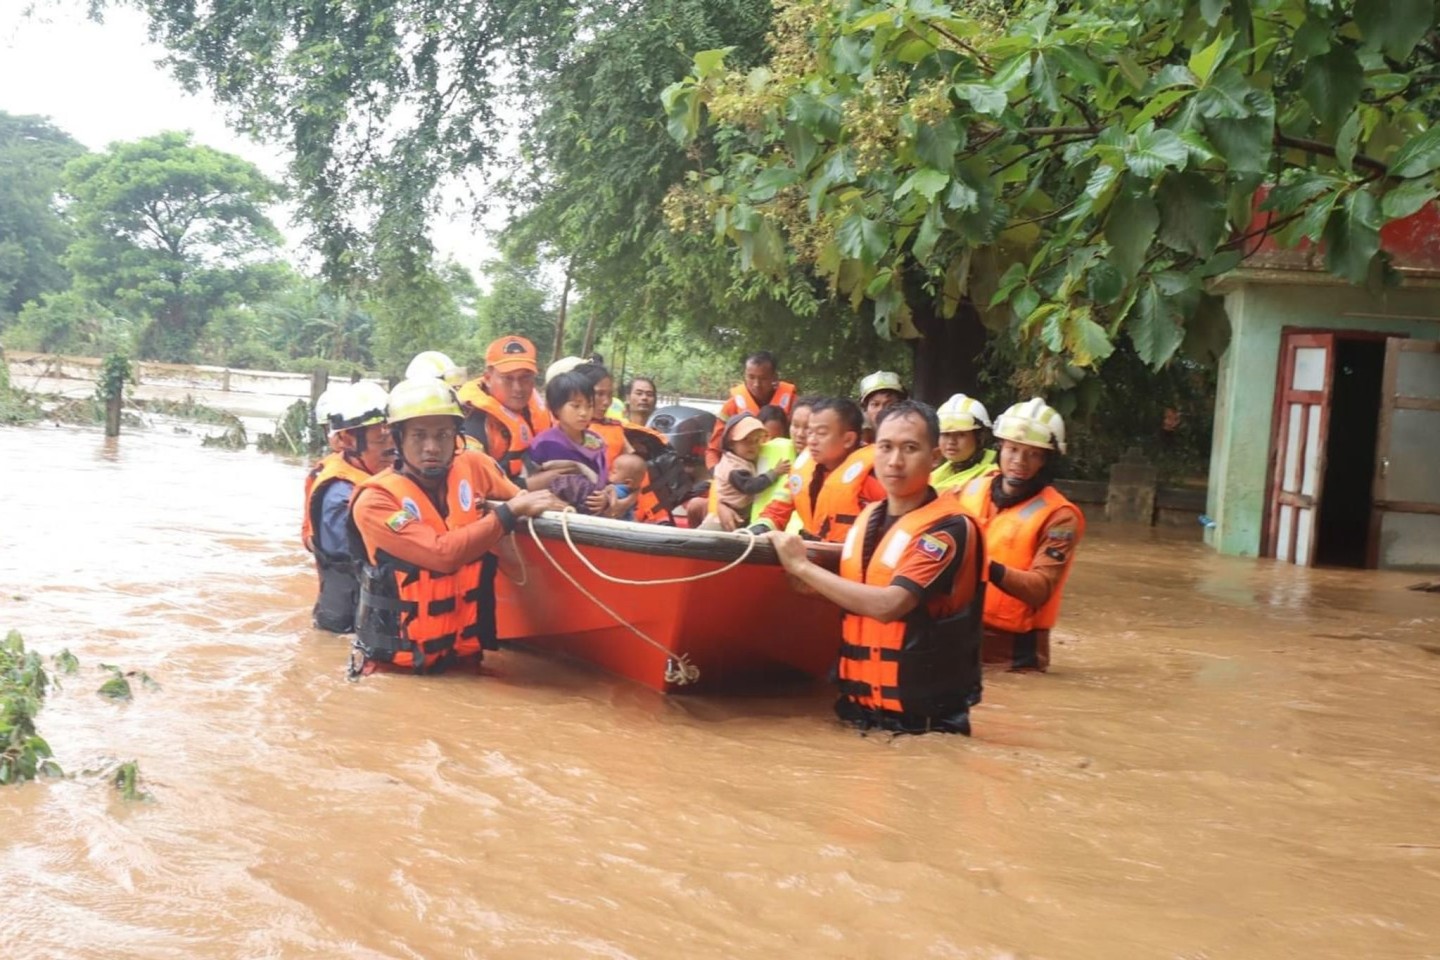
x=675, y=609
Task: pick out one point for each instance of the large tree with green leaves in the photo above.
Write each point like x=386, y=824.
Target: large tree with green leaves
x=33, y=235
x=173, y=231
x=1078, y=171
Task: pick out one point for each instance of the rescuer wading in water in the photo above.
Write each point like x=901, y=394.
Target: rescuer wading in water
x=427, y=591
x=911, y=585
x=1031, y=532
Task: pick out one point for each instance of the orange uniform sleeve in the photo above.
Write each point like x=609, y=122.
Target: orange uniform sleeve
x=714, y=449
x=498, y=486
x=1054, y=551
x=926, y=559
x=387, y=526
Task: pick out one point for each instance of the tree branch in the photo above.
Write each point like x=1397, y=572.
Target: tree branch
x=1318, y=146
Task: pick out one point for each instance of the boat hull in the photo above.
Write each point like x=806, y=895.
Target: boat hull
x=738, y=628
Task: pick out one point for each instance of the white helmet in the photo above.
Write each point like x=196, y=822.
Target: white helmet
x=422, y=397
x=328, y=403
x=433, y=363
x=882, y=380
x=961, y=413
x=362, y=405
x=1033, y=423
x=563, y=365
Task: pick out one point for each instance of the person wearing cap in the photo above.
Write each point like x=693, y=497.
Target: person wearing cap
x=762, y=386
x=964, y=423
x=502, y=414
x=640, y=397
x=911, y=585
x=365, y=450
x=426, y=533
x=736, y=479
x=878, y=391
x=1031, y=532
x=828, y=489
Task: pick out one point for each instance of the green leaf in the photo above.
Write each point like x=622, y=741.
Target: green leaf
x=1420, y=155
x=1312, y=39
x=1332, y=84
x=1075, y=64
x=961, y=196
x=1347, y=141
x=1042, y=82
x=1052, y=334
x=1192, y=213
x=1152, y=327
x=1158, y=104
x=925, y=182
x=849, y=56
x=116, y=688
x=1408, y=198
x=878, y=283
x=1352, y=236
x=1151, y=151
x=1086, y=339
x=1103, y=283
x=1025, y=301
x=708, y=62
x=822, y=117
x=1130, y=228
x=1203, y=62
x=1207, y=331
x=863, y=239
x=1395, y=26
x=1210, y=11
x=986, y=100
x=930, y=230
x=802, y=145
x=937, y=144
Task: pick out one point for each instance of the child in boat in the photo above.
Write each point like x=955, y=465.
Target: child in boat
x=776, y=424
x=736, y=480
x=570, y=397
x=627, y=476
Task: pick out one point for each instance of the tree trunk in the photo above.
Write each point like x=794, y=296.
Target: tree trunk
x=112, y=415
x=947, y=358
x=589, y=345
x=559, y=348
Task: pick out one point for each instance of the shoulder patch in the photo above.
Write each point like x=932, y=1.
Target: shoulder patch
x=853, y=472
x=796, y=482
x=935, y=546
x=1061, y=533
x=466, y=495
x=411, y=507
x=398, y=519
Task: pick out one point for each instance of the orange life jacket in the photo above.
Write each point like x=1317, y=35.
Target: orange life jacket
x=499, y=431
x=416, y=618
x=833, y=512
x=647, y=443
x=923, y=671
x=339, y=581
x=784, y=398
x=307, y=532
x=1012, y=536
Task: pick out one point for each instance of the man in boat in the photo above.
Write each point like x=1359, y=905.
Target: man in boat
x=623, y=437
x=762, y=386
x=502, y=413
x=1031, y=531
x=364, y=450
x=911, y=585
x=829, y=488
x=640, y=395
x=426, y=532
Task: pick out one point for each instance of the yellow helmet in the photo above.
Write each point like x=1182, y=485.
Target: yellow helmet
x=961, y=413
x=433, y=363
x=362, y=404
x=881, y=380
x=1033, y=423
x=422, y=397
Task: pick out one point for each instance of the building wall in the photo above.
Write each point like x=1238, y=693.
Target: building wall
x=1260, y=308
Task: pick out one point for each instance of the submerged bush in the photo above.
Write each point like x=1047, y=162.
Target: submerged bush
x=24, y=754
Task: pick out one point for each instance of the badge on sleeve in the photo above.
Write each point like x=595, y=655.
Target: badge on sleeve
x=398, y=519
x=467, y=496
x=936, y=548
x=411, y=507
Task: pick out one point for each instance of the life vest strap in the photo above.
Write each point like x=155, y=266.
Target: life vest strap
x=852, y=651
x=436, y=608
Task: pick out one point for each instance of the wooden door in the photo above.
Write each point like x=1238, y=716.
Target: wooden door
x=1302, y=419
x=1405, y=520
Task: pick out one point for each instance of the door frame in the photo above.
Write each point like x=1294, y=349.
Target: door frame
x=1395, y=345
x=1277, y=408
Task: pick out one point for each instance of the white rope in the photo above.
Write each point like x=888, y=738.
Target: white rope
x=678, y=668
x=565, y=529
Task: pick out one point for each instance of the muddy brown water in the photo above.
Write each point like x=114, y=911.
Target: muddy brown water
x=1230, y=759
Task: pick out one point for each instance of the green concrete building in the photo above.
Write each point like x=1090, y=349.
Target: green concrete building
x=1327, y=418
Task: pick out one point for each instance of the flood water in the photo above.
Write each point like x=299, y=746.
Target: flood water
x=1229, y=759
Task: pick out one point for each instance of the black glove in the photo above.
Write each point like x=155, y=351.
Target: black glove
x=997, y=572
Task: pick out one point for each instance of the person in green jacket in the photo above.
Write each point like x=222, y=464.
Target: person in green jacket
x=964, y=436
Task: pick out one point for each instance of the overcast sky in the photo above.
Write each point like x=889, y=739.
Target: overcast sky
x=100, y=83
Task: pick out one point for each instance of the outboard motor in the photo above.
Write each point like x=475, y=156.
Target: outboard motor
x=687, y=428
